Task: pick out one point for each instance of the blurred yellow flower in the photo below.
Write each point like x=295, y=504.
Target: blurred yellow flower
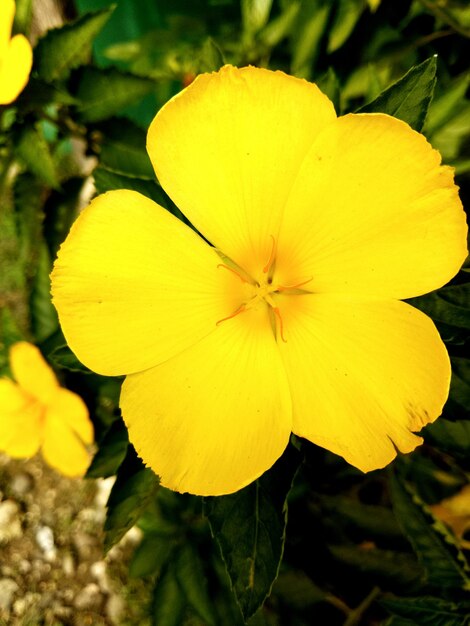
x=291, y=320
x=16, y=56
x=36, y=413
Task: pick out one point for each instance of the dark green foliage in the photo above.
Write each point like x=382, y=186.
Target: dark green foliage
x=409, y=98
x=65, y=48
x=104, y=92
x=131, y=494
x=249, y=527
x=436, y=548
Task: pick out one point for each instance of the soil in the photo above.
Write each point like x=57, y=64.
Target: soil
x=53, y=571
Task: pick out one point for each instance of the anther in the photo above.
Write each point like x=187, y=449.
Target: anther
x=277, y=313
x=268, y=265
x=241, y=309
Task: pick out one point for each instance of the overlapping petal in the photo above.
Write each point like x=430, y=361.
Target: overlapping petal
x=69, y=408
x=228, y=149
x=134, y=286
x=363, y=375
x=215, y=417
x=372, y=212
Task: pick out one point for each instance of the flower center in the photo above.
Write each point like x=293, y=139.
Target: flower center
x=264, y=291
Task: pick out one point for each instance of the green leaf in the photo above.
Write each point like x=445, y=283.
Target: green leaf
x=409, y=98
x=63, y=357
x=297, y=590
x=371, y=520
x=450, y=305
x=255, y=14
x=133, y=491
x=106, y=180
x=447, y=105
x=150, y=556
x=104, y=92
x=460, y=386
x=329, y=84
x=346, y=18
x=211, y=58
x=34, y=151
x=386, y=567
x=111, y=452
x=23, y=15
x=122, y=148
x=429, y=611
x=62, y=49
x=44, y=320
x=277, y=29
x=191, y=578
x=249, y=527
x=306, y=36
x=453, y=437
x=433, y=543
x=169, y=603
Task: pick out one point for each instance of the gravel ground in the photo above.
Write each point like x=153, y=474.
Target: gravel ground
x=53, y=571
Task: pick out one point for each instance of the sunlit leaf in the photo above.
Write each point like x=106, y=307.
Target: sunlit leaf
x=346, y=17
x=65, y=48
x=34, y=151
x=103, y=93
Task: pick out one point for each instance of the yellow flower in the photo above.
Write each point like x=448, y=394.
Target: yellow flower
x=16, y=56
x=36, y=413
x=291, y=320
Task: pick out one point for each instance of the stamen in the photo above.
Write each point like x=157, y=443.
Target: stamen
x=241, y=309
x=230, y=269
x=286, y=288
x=268, y=265
x=277, y=313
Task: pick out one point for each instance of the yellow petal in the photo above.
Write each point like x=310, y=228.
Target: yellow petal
x=227, y=150
x=20, y=421
x=363, y=375
x=7, y=14
x=134, y=286
x=217, y=416
x=70, y=408
x=62, y=448
x=15, y=66
x=373, y=213
x=31, y=371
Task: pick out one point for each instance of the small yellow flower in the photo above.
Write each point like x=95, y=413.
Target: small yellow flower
x=291, y=321
x=16, y=56
x=36, y=413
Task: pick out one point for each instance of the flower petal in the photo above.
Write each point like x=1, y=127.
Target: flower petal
x=372, y=212
x=32, y=372
x=134, y=286
x=227, y=150
x=7, y=14
x=20, y=418
x=215, y=417
x=70, y=408
x=363, y=375
x=62, y=448
x=15, y=66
